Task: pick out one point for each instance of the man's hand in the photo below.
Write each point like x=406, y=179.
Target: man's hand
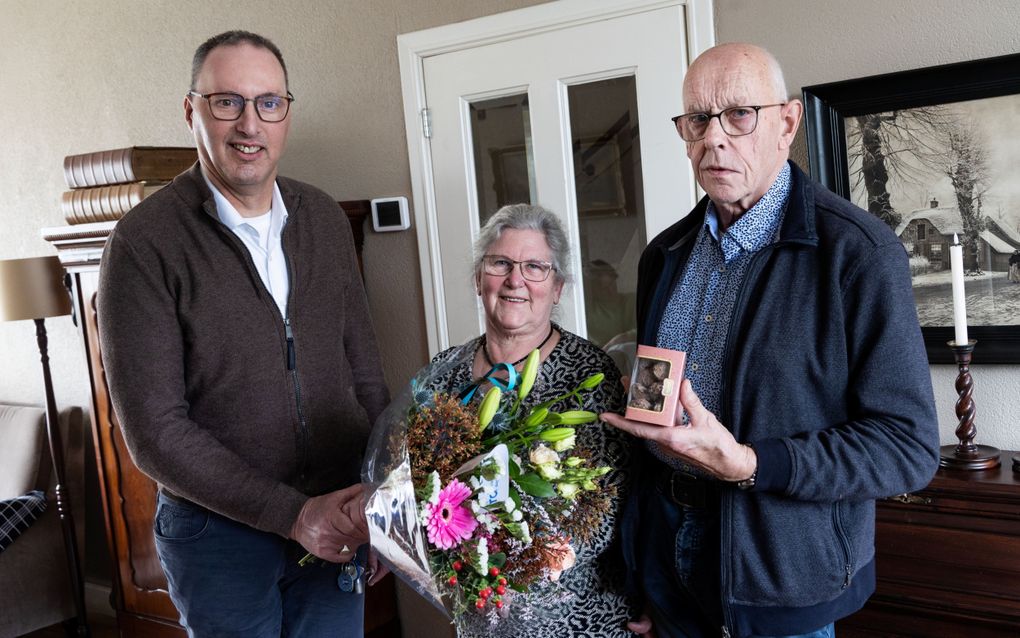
x=705, y=442
x=330, y=523
x=376, y=570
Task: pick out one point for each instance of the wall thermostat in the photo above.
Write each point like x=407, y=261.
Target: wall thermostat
x=390, y=213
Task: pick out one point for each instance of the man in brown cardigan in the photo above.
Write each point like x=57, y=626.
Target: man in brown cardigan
x=243, y=367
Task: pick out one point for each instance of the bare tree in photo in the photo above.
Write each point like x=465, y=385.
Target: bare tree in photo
x=965, y=162
x=880, y=147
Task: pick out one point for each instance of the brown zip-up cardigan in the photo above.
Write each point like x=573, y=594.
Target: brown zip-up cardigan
x=220, y=401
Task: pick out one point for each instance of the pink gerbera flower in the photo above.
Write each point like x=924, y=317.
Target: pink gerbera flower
x=449, y=522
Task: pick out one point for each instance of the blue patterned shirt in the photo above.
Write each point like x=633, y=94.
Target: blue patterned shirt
x=697, y=317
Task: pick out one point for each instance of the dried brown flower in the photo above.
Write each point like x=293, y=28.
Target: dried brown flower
x=441, y=437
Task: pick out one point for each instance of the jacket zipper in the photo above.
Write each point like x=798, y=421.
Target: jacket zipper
x=750, y=275
x=291, y=353
x=292, y=359
x=837, y=523
x=292, y=367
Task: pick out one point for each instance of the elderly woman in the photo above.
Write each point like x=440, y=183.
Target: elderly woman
x=521, y=259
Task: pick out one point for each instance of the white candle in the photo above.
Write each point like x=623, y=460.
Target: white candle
x=959, y=295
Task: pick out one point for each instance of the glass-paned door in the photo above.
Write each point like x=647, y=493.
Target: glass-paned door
x=575, y=119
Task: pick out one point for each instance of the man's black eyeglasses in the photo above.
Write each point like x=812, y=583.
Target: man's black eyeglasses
x=735, y=121
x=230, y=106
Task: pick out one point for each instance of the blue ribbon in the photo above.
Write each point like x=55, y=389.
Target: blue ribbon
x=469, y=390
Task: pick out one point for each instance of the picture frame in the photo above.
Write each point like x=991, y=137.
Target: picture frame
x=510, y=172
x=598, y=177
x=926, y=112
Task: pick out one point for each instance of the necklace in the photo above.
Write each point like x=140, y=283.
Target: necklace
x=488, y=359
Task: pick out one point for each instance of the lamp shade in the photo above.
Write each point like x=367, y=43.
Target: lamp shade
x=32, y=288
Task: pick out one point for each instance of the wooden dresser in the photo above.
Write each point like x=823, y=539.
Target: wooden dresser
x=140, y=597
x=948, y=560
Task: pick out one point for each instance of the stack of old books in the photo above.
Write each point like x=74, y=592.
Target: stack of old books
x=106, y=184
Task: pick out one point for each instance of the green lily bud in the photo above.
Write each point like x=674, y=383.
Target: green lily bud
x=573, y=461
x=602, y=471
x=528, y=374
x=556, y=434
x=590, y=486
x=591, y=381
x=552, y=418
x=577, y=417
x=536, y=417
x=488, y=408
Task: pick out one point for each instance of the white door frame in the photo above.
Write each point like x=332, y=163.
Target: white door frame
x=413, y=48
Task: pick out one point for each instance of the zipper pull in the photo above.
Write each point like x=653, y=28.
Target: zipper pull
x=291, y=356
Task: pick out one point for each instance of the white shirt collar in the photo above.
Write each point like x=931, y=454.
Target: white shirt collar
x=233, y=219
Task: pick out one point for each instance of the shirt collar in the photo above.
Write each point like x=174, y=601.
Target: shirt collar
x=756, y=228
x=233, y=219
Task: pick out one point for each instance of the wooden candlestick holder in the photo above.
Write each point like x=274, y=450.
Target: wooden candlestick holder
x=966, y=455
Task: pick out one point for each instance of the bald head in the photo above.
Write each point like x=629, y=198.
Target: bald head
x=750, y=125
x=749, y=59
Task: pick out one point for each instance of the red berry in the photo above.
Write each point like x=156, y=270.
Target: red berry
x=502, y=581
x=498, y=604
x=457, y=565
x=453, y=580
x=494, y=571
x=480, y=603
x=485, y=593
x=500, y=590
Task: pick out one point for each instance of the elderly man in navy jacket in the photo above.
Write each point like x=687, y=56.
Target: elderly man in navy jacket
x=807, y=393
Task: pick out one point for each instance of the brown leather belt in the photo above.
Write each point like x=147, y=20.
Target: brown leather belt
x=687, y=490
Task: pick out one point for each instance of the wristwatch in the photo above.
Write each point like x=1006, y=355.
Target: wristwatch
x=748, y=483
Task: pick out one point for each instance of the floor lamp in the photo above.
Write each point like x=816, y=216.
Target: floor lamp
x=33, y=289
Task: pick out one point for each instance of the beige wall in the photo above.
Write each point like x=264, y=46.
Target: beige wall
x=835, y=40
x=95, y=74
x=92, y=74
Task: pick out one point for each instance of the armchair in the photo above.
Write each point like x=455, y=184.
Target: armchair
x=35, y=588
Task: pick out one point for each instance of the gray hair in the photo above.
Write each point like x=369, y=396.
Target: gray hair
x=526, y=217
x=776, y=71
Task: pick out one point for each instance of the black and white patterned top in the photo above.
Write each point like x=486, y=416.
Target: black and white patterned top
x=587, y=600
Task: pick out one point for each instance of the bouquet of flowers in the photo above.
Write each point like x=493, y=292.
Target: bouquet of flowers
x=474, y=501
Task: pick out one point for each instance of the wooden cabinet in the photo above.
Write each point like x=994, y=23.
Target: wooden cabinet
x=140, y=595
x=948, y=560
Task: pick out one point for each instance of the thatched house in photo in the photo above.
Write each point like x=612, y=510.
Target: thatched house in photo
x=928, y=232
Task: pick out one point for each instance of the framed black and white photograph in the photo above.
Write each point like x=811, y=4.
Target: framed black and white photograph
x=934, y=153
x=599, y=178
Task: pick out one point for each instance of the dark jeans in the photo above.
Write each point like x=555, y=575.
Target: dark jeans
x=228, y=579
x=680, y=571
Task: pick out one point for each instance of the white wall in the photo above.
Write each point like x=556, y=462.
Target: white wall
x=828, y=41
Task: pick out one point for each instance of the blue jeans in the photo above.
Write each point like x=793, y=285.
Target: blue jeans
x=680, y=571
x=227, y=579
